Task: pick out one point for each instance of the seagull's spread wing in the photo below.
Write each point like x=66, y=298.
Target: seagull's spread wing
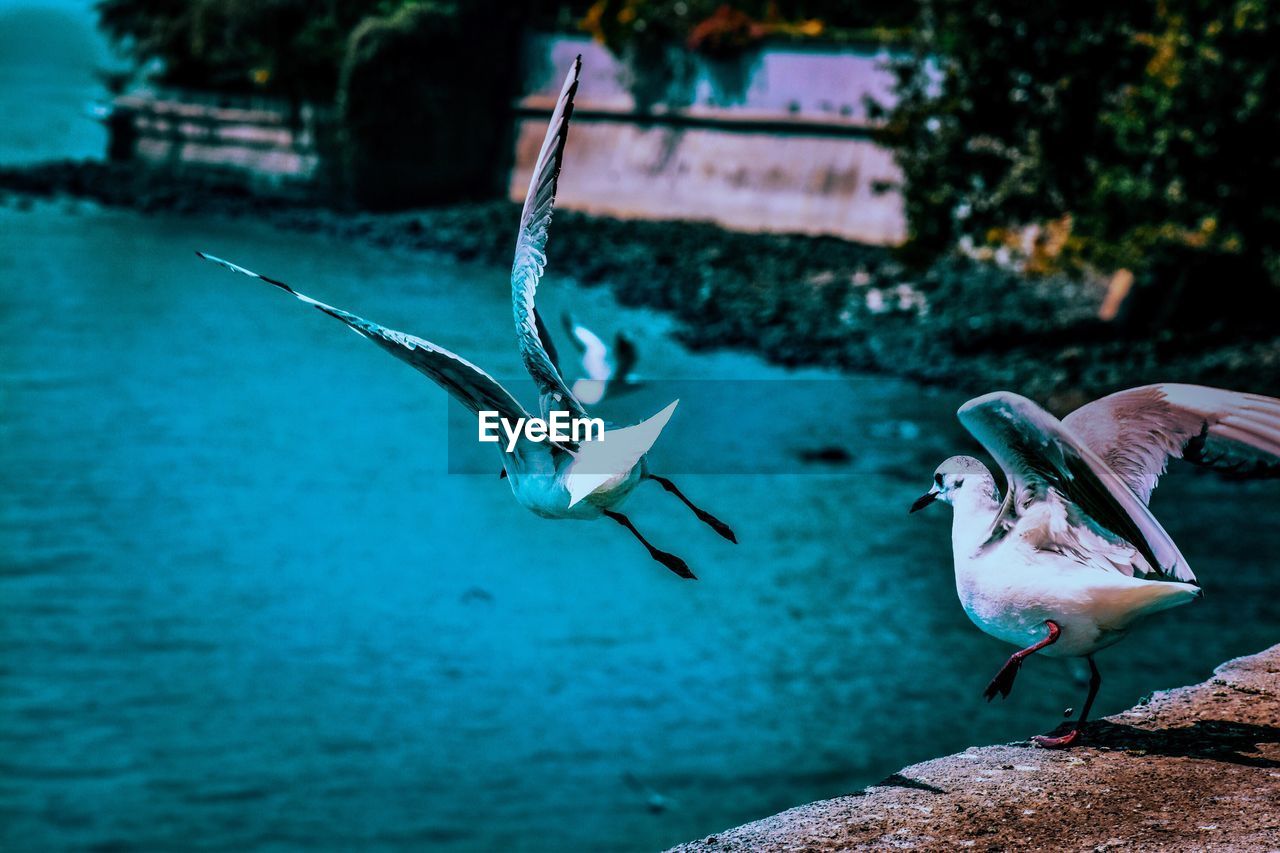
x=1138, y=431
x=470, y=385
x=1045, y=460
x=531, y=258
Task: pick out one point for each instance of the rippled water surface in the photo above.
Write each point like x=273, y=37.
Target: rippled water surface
x=243, y=602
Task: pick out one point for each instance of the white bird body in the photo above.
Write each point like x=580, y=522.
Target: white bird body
x=1072, y=557
x=542, y=485
x=595, y=479
x=1013, y=588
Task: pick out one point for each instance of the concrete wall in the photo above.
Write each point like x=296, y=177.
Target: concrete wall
x=256, y=137
x=777, y=141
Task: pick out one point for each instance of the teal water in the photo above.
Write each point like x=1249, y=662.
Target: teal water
x=242, y=602
x=49, y=56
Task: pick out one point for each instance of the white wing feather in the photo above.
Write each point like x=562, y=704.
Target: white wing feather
x=1139, y=430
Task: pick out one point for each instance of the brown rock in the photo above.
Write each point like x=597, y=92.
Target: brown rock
x=1197, y=768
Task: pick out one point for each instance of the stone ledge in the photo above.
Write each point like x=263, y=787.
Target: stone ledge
x=1196, y=768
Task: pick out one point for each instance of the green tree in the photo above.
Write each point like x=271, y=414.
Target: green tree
x=292, y=48
x=1150, y=123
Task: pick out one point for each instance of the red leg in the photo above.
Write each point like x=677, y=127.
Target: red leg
x=1003, y=682
x=1061, y=741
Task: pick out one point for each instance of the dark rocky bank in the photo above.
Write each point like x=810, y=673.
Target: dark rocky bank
x=1197, y=768
x=797, y=300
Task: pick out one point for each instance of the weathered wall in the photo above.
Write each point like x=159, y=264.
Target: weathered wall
x=257, y=137
x=776, y=141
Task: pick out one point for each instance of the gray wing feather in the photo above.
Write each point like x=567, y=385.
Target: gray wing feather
x=544, y=335
x=1139, y=430
x=1041, y=457
x=467, y=383
x=531, y=258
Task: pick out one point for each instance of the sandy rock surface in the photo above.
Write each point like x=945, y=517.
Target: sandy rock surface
x=1196, y=768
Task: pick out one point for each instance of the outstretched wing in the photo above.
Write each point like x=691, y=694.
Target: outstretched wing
x=531, y=258
x=1043, y=459
x=467, y=383
x=1138, y=431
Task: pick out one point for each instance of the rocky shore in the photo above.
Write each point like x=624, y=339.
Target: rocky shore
x=1197, y=768
x=796, y=300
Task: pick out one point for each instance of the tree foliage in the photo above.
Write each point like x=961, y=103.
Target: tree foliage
x=1150, y=124
x=718, y=27
x=296, y=47
x=286, y=47
x=423, y=120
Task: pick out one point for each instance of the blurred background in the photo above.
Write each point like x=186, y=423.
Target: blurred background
x=247, y=601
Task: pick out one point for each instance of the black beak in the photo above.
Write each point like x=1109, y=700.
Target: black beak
x=923, y=501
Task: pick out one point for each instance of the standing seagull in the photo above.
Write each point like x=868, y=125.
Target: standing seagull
x=1072, y=557
x=582, y=481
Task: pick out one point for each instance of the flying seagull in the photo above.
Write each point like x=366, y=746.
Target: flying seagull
x=605, y=369
x=588, y=480
x=1072, y=557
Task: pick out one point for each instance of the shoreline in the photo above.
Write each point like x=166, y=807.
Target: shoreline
x=1195, y=767
x=795, y=300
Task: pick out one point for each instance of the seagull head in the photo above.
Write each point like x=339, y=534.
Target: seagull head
x=950, y=478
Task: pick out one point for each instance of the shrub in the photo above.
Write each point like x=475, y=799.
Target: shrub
x=1151, y=124
x=291, y=48
x=424, y=103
